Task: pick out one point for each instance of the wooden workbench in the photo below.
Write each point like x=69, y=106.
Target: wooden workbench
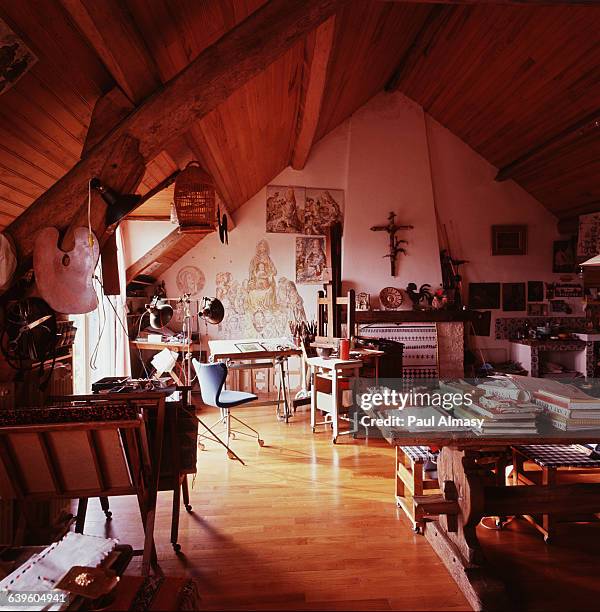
x=469, y=495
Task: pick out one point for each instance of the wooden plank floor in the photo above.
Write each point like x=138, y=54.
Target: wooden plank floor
x=311, y=525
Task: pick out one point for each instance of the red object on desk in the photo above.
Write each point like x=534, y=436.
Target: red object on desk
x=344, y=349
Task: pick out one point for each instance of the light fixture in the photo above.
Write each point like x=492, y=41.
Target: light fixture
x=160, y=313
x=118, y=205
x=212, y=310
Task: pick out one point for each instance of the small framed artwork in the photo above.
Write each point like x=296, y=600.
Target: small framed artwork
x=363, y=301
x=249, y=347
x=535, y=291
x=560, y=306
x=537, y=310
x=513, y=296
x=484, y=295
x=509, y=239
x=563, y=257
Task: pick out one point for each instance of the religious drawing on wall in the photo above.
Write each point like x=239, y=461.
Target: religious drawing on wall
x=311, y=261
x=299, y=210
x=285, y=209
x=261, y=305
x=190, y=279
x=323, y=208
x=588, y=241
x=15, y=57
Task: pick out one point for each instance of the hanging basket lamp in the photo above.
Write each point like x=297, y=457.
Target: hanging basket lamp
x=194, y=199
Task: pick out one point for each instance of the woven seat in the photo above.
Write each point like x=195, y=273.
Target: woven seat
x=416, y=453
x=557, y=456
x=555, y=464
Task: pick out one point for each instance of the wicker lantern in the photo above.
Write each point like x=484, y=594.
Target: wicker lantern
x=194, y=199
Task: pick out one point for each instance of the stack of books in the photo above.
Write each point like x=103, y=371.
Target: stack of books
x=502, y=416
x=568, y=408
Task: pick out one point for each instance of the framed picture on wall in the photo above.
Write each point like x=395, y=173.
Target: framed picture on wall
x=509, y=239
x=513, y=296
x=535, y=291
x=563, y=257
x=484, y=295
x=537, y=310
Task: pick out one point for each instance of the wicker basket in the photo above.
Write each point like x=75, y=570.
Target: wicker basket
x=195, y=199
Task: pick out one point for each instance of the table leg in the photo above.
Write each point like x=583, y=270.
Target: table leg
x=453, y=536
x=313, y=399
x=334, y=405
x=286, y=404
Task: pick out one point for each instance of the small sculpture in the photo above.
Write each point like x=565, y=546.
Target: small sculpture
x=417, y=297
x=395, y=243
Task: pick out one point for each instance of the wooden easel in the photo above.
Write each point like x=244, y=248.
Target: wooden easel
x=330, y=305
x=329, y=314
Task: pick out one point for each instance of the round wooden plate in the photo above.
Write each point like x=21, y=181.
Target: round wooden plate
x=391, y=298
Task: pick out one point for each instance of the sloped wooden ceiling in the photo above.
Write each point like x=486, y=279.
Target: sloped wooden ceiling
x=514, y=82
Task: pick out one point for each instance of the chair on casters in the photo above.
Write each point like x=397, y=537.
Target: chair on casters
x=211, y=377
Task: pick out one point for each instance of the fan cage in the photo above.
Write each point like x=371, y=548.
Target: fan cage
x=195, y=199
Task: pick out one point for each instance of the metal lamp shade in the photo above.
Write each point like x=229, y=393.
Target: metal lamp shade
x=212, y=310
x=160, y=315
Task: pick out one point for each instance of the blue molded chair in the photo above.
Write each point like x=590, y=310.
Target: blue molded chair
x=211, y=377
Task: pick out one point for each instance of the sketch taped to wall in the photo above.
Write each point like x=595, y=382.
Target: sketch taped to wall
x=588, y=240
x=323, y=208
x=311, y=261
x=285, y=209
x=299, y=210
x=261, y=305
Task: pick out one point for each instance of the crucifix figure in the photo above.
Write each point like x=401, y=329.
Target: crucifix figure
x=395, y=243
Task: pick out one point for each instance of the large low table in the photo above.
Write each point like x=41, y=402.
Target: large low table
x=468, y=495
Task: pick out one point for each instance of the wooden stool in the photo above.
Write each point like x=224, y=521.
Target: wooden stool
x=412, y=480
x=556, y=461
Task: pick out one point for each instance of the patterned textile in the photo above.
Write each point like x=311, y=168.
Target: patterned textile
x=416, y=453
x=507, y=327
x=67, y=414
x=137, y=594
x=557, y=455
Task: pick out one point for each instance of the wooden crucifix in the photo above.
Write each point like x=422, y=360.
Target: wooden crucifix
x=395, y=243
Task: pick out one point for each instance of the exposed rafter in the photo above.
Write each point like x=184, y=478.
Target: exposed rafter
x=319, y=44
x=433, y=24
x=112, y=33
x=210, y=79
x=536, y=154
x=162, y=256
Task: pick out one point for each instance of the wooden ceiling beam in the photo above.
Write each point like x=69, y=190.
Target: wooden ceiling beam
x=432, y=25
x=112, y=33
x=154, y=255
x=208, y=81
x=319, y=44
x=536, y=154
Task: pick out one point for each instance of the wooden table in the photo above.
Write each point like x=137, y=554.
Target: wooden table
x=227, y=350
x=468, y=495
x=325, y=395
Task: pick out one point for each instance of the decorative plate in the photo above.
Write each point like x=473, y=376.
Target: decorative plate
x=391, y=298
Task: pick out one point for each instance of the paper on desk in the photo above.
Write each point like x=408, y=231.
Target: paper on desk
x=43, y=570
